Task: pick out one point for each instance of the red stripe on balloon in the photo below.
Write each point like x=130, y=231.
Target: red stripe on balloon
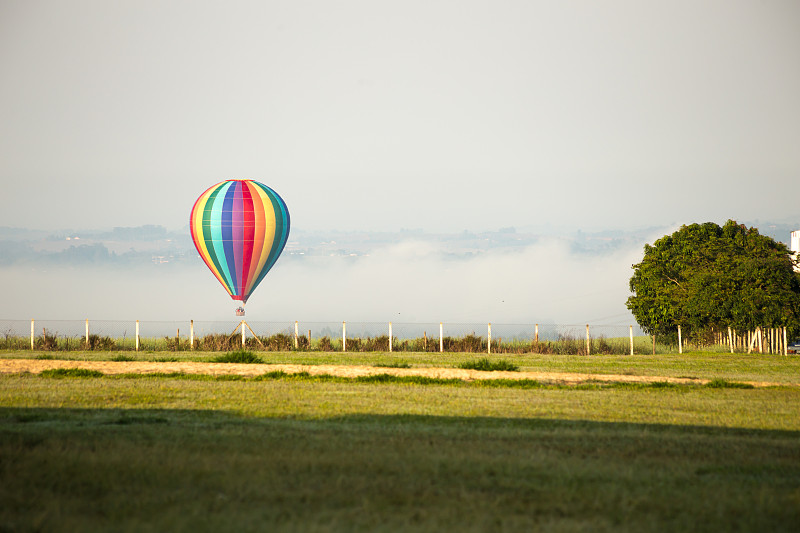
x=248, y=234
x=236, y=235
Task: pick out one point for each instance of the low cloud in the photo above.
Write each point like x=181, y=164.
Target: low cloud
x=411, y=282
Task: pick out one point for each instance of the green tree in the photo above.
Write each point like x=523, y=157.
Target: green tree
x=705, y=277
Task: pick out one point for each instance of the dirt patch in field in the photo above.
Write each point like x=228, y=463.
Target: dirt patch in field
x=35, y=366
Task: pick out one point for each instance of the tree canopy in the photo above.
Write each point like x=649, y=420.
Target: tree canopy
x=705, y=276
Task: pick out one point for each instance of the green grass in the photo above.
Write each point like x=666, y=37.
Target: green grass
x=175, y=470
x=238, y=356
x=191, y=453
x=299, y=452
x=315, y=397
x=705, y=365
x=393, y=364
x=725, y=384
x=489, y=365
x=60, y=373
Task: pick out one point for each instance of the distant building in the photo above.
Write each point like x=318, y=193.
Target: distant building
x=794, y=246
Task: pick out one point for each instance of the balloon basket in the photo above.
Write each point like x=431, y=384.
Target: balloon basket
x=240, y=311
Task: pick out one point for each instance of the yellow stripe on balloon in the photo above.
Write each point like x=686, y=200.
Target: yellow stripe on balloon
x=197, y=223
x=267, y=229
x=258, y=236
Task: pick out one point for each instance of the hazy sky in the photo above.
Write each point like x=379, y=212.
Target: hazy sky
x=438, y=115
x=378, y=115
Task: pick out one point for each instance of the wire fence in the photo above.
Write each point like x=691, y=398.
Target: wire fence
x=143, y=335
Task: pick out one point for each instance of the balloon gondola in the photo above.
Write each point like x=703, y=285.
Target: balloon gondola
x=239, y=228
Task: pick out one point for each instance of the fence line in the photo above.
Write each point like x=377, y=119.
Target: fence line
x=149, y=335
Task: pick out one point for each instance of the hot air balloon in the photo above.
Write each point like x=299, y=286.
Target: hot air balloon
x=239, y=228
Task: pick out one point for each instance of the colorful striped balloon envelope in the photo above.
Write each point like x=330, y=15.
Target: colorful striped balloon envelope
x=239, y=228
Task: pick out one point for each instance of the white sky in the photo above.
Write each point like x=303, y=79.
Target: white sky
x=376, y=115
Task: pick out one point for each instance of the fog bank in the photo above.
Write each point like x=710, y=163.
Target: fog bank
x=413, y=281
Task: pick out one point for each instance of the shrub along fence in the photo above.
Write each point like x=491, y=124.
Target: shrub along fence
x=354, y=337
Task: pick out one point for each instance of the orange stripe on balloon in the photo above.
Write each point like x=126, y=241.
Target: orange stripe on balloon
x=267, y=229
x=258, y=235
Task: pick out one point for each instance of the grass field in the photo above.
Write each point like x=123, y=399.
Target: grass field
x=181, y=453
x=706, y=365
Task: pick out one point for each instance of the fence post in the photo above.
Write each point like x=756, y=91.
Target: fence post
x=309, y=339
x=730, y=338
x=536, y=334
x=631, y=335
x=242, y=324
x=680, y=343
x=87, y=332
x=191, y=334
x=344, y=337
x=441, y=338
x=785, y=346
x=32, y=343
x=760, y=340
x=137, y=335
x=588, y=342
x=489, y=336
x=296, y=342
x=390, y=337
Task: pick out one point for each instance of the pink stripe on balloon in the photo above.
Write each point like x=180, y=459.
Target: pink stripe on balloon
x=237, y=223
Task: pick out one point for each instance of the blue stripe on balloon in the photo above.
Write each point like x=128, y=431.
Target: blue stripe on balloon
x=217, y=236
x=227, y=235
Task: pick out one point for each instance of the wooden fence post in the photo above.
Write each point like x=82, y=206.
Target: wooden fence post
x=680, y=341
x=536, y=334
x=588, y=341
x=441, y=338
x=390, y=337
x=32, y=340
x=730, y=338
x=191, y=334
x=785, y=345
x=760, y=340
x=243, y=338
x=631, y=335
x=296, y=342
x=489, y=337
x=87, y=332
x=344, y=337
x=137, y=335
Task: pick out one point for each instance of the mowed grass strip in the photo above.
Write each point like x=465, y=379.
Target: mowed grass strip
x=389, y=379
x=313, y=396
x=698, y=365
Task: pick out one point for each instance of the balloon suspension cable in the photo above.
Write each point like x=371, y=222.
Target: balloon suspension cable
x=240, y=328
